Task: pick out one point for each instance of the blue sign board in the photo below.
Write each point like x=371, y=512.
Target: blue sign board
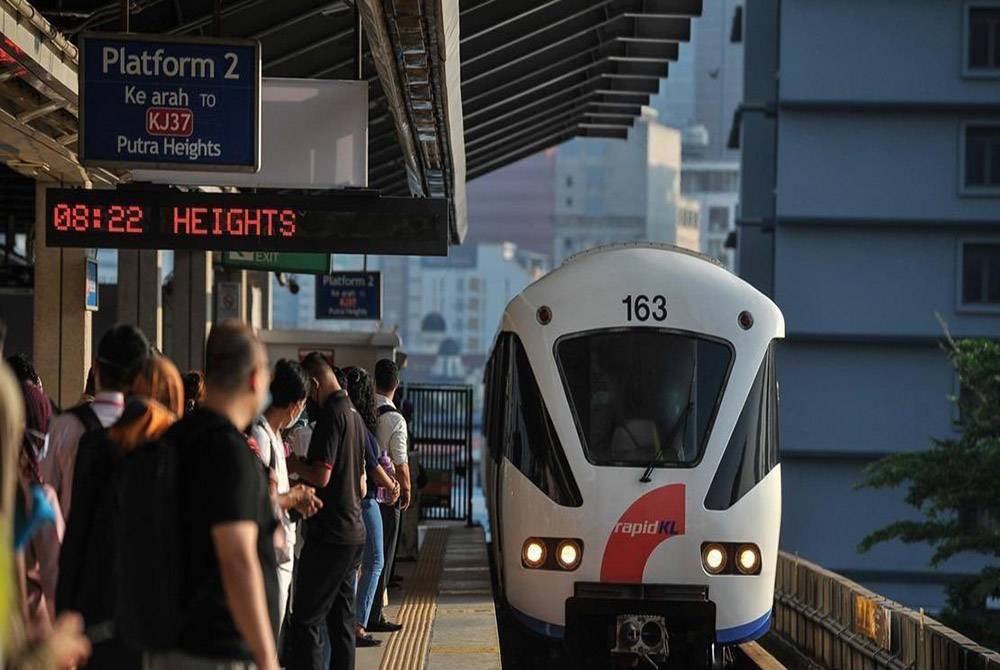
x=163, y=102
x=92, y=300
x=349, y=295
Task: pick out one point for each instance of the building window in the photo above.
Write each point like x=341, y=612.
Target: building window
x=981, y=161
x=569, y=202
x=983, y=40
x=736, y=32
x=718, y=219
x=474, y=284
x=980, y=263
x=569, y=180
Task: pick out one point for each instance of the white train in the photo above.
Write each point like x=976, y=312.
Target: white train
x=632, y=477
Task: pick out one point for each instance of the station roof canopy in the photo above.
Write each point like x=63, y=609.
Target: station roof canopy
x=458, y=88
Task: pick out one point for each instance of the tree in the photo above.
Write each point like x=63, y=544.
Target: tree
x=955, y=484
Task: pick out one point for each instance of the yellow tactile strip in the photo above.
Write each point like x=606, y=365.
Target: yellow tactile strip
x=407, y=649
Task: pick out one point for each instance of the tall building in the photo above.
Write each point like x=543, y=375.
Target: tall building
x=870, y=208
x=622, y=191
x=701, y=98
x=515, y=204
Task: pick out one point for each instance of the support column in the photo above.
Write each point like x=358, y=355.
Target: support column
x=140, y=292
x=62, y=325
x=192, y=302
x=259, y=299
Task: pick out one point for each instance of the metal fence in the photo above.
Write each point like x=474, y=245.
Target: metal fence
x=841, y=624
x=441, y=429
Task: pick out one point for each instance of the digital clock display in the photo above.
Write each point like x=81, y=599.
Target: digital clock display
x=134, y=219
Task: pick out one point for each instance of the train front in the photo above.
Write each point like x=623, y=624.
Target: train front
x=635, y=493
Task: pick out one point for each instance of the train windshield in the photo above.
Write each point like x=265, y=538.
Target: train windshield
x=643, y=397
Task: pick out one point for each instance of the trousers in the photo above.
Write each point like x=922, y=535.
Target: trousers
x=323, y=606
x=390, y=534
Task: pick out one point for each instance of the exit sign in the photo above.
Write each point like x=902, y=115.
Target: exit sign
x=278, y=261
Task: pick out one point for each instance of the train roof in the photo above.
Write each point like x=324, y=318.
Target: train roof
x=661, y=246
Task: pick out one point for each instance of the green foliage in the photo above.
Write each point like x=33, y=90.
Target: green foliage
x=956, y=486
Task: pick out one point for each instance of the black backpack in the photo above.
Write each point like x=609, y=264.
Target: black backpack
x=151, y=552
x=89, y=544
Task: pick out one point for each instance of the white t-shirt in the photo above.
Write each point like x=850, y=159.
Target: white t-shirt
x=391, y=431
x=269, y=444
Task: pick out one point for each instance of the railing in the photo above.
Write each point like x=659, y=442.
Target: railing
x=841, y=624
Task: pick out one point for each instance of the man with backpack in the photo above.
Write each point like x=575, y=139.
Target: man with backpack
x=393, y=440
x=120, y=353
x=225, y=522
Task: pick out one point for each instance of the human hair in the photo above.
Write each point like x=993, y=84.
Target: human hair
x=362, y=392
x=23, y=369
x=386, y=375
x=290, y=383
x=315, y=364
x=230, y=355
x=3, y=334
x=194, y=389
x=341, y=377
x=160, y=380
x=120, y=354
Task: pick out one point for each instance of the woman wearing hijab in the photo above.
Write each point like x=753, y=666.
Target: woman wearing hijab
x=362, y=392
x=21, y=648
x=38, y=501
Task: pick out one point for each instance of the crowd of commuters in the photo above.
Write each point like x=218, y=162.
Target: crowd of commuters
x=243, y=516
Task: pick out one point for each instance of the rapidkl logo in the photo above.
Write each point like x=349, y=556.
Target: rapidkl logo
x=655, y=517
x=633, y=529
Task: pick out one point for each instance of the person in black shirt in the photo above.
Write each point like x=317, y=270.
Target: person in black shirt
x=229, y=587
x=323, y=600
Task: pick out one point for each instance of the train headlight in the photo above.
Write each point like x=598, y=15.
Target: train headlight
x=748, y=559
x=713, y=557
x=568, y=555
x=533, y=553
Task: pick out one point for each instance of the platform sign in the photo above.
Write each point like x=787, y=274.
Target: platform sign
x=276, y=261
x=168, y=102
x=261, y=221
x=349, y=295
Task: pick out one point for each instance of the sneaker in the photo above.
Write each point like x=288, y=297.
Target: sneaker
x=384, y=626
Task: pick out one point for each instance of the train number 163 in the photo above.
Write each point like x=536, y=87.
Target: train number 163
x=645, y=307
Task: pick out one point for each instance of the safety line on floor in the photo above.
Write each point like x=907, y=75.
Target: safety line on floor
x=407, y=649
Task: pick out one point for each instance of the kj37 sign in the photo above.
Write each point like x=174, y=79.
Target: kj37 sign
x=183, y=103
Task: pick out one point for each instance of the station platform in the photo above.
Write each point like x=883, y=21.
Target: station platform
x=445, y=605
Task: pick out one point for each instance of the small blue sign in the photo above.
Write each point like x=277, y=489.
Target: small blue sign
x=92, y=300
x=349, y=295
x=161, y=102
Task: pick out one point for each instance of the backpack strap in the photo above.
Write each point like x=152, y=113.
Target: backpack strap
x=387, y=409
x=85, y=413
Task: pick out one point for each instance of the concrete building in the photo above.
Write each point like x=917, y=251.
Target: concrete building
x=515, y=204
x=622, y=191
x=870, y=205
x=700, y=98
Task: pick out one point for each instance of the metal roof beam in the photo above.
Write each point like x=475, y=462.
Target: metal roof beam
x=608, y=57
x=481, y=133
x=548, y=105
x=555, y=89
x=491, y=162
x=596, y=23
x=571, y=118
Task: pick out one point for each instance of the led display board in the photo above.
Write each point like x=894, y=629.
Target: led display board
x=261, y=221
